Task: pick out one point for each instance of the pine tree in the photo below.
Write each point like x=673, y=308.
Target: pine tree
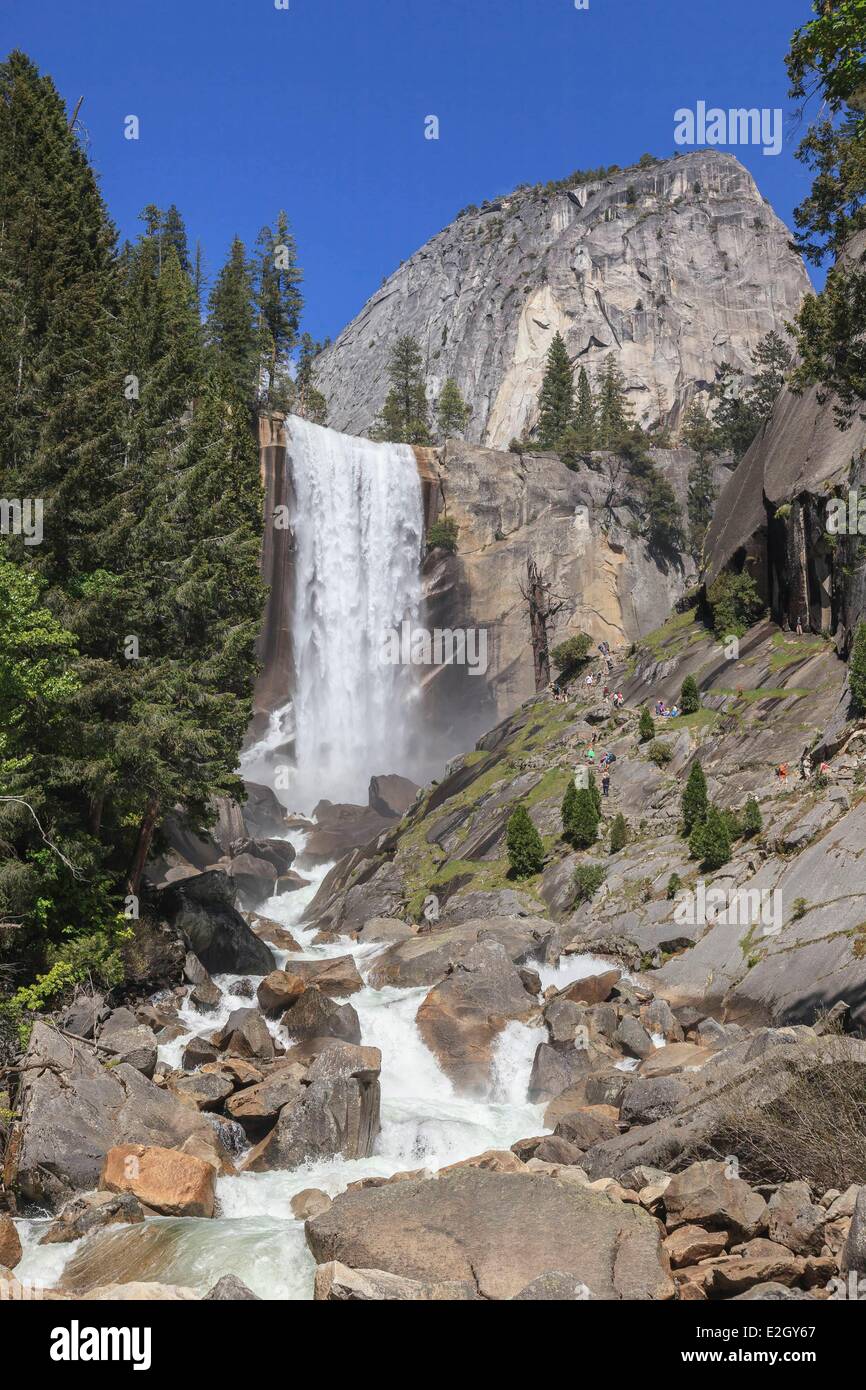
x=232, y=330
x=556, y=399
x=753, y=822
x=523, y=842
x=710, y=840
x=172, y=234
x=308, y=401
x=581, y=813
x=857, y=672
x=452, y=412
x=405, y=415
x=584, y=416
x=613, y=415
x=618, y=833
x=646, y=727
x=279, y=304
x=690, y=696
x=694, y=802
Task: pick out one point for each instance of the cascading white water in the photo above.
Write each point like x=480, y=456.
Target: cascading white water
x=358, y=528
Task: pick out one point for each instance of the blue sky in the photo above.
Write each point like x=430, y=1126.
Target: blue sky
x=320, y=108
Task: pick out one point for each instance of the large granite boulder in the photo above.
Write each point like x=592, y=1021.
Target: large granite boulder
x=497, y=1230
x=74, y=1109
x=202, y=908
x=337, y=1115
x=426, y=959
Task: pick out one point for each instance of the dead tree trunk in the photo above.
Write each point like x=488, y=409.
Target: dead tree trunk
x=543, y=608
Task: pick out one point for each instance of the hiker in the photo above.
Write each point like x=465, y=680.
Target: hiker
x=675, y=712
x=590, y=754
x=605, y=784
x=805, y=767
x=783, y=771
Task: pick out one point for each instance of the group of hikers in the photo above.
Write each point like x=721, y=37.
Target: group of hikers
x=806, y=769
x=663, y=712
x=605, y=763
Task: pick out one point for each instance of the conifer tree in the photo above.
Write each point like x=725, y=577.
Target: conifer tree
x=556, y=399
x=710, y=840
x=646, y=727
x=308, y=400
x=694, y=801
x=613, y=416
x=618, y=833
x=523, y=843
x=690, y=696
x=753, y=822
x=857, y=671
x=452, y=412
x=405, y=417
x=581, y=813
x=584, y=415
x=279, y=303
x=233, y=333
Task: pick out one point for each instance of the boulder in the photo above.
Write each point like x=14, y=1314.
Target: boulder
x=245, y=1034
x=256, y=1107
x=427, y=958
x=83, y=1016
x=558, y=1069
x=93, y=1211
x=793, y=1219
x=463, y=1015
x=583, y=1128
x=205, y=997
x=166, y=1181
x=204, y=1090
x=203, y=910
x=386, y=930
x=279, y=990
x=499, y=1231
x=315, y=1015
x=634, y=1039
x=123, y=1037
x=553, y=1288
x=592, y=989
x=344, y=1059
x=689, y=1244
x=74, y=1109
x=651, y=1098
x=309, y=1202
x=339, y=1116
x=336, y=976
x=230, y=1289
x=705, y=1195
x=336, y=1283
x=10, y=1244
x=198, y=1052
x=391, y=796
x=854, y=1250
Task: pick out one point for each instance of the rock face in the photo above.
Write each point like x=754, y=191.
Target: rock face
x=579, y=528
x=676, y=268
x=499, y=1230
x=338, y=1116
x=74, y=1109
x=772, y=513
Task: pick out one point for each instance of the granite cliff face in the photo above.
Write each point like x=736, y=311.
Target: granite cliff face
x=584, y=531
x=772, y=515
x=676, y=267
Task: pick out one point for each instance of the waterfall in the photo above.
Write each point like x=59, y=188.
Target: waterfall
x=358, y=525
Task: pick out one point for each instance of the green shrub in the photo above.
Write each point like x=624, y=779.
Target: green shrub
x=570, y=655
x=857, y=672
x=647, y=726
x=442, y=535
x=710, y=841
x=588, y=878
x=690, y=696
x=523, y=843
x=675, y=883
x=660, y=752
x=801, y=907
x=694, y=802
x=735, y=604
x=753, y=822
x=618, y=833
x=581, y=812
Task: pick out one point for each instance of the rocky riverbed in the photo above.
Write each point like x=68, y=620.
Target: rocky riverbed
x=408, y=1078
